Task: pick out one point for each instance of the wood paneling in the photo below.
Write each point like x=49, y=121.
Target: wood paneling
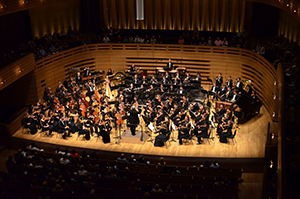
x=16, y=70
x=207, y=60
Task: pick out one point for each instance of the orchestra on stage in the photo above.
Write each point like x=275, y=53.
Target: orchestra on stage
x=167, y=102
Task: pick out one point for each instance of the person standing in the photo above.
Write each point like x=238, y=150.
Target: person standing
x=133, y=120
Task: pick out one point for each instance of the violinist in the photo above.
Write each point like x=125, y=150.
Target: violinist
x=179, y=117
x=162, y=89
x=219, y=112
x=133, y=120
x=44, y=123
x=72, y=126
x=58, y=88
x=159, y=117
x=63, y=97
x=184, y=132
x=89, y=122
x=226, y=131
x=150, y=113
x=183, y=102
x=174, y=112
x=164, y=81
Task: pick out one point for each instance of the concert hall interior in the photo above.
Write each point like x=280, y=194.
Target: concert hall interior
x=149, y=99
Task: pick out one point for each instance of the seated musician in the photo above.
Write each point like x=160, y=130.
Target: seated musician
x=219, y=80
x=184, y=102
x=201, y=131
x=105, y=129
x=151, y=88
x=184, y=132
x=164, y=81
x=229, y=82
x=144, y=81
x=62, y=128
x=71, y=123
x=181, y=91
x=214, y=88
x=179, y=117
x=219, y=112
x=78, y=79
x=228, y=95
x=81, y=130
x=63, y=97
x=59, y=88
x=135, y=80
x=187, y=79
x=86, y=72
x=176, y=81
x=109, y=73
x=132, y=69
x=234, y=97
x=90, y=90
x=171, y=89
x=168, y=77
x=153, y=80
x=161, y=139
x=174, y=112
x=162, y=89
x=44, y=124
x=222, y=92
x=226, y=131
x=159, y=117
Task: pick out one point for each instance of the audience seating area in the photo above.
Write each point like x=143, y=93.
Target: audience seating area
x=41, y=174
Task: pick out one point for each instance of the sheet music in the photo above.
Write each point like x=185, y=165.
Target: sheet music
x=150, y=126
x=212, y=123
x=173, y=126
x=192, y=125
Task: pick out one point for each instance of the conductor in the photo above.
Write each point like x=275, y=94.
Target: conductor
x=133, y=120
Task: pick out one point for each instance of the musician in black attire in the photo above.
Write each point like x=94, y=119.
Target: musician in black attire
x=105, y=129
x=239, y=84
x=86, y=72
x=90, y=90
x=133, y=120
x=78, y=79
x=169, y=66
x=227, y=131
x=219, y=80
x=62, y=128
x=201, y=131
x=222, y=92
x=229, y=82
x=184, y=132
x=81, y=130
x=228, y=95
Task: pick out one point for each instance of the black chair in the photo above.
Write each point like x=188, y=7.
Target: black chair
x=208, y=138
x=232, y=137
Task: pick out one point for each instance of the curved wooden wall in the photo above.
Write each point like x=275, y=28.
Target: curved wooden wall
x=209, y=61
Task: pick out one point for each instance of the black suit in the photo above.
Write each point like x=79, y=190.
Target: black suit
x=133, y=120
x=219, y=81
x=169, y=66
x=62, y=129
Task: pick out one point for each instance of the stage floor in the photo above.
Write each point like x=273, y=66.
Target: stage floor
x=250, y=142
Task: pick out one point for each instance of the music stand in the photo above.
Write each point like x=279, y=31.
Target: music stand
x=173, y=129
x=151, y=128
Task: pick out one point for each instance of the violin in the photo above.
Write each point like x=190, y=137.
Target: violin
x=119, y=120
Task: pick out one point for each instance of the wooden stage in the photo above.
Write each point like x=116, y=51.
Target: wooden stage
x=250, y=142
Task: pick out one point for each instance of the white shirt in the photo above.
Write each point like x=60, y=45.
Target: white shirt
x=106, y=39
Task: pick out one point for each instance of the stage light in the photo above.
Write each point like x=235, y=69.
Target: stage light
x=295, y=10
x=287, y=4
x=3, y=6
x=272, y=136
x=271, y=164
x=274, y=97
x=274, y=114
x=275, y=83
x=24, y=2
x=139, y=9
x=3, y=82
x=21, y=70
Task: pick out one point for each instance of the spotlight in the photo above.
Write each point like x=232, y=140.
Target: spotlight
x=274, y=97
x=271, y=164
x=275, y=83
x=3, y=6
x=295, y=10
x=3, y=82
x=287, y=4
x=274, y=114
x=21, y=70
x=24, y=2
x=272, y=136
